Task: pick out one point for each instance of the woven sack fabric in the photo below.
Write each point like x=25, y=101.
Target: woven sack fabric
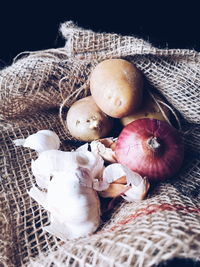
x=163, y=226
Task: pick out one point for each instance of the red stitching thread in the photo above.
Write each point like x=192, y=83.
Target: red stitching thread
x=151, y=209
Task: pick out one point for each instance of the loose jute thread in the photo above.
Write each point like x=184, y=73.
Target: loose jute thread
x=158, y=102
x=75, y=94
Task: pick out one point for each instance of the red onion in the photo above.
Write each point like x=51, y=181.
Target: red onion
x=150, y=147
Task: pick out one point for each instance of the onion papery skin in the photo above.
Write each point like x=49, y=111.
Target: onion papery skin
x=156, y=164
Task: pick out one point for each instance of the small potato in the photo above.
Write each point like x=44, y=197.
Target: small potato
x=86, y=122
x=148, y=109
x=117, y=87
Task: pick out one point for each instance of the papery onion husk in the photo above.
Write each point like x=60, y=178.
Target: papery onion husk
x=124, y=182
x=151, y=148
x=105, y=148
x=114, y=190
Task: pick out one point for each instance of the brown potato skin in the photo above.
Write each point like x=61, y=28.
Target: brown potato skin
x=117, y=87
x=148, y=109
x=86, y=122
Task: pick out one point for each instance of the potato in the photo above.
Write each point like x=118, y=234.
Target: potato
x=117, y=87
x=86, y=122
x=148, y=109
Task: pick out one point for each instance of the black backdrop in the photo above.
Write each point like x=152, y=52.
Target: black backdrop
x=33, y=25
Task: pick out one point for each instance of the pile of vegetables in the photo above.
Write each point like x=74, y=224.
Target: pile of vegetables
x=147, y=150
x=147, y=144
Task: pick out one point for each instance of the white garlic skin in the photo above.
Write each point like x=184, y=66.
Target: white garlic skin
x=51, y=161
x=136, y=187
x=74, y=208
x=106, y=152
x=68, y=178
x=138, y=192
x=41, y=141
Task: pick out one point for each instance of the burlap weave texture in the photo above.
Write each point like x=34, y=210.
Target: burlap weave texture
x=165, y=225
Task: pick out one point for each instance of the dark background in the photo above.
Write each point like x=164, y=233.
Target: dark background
x=33, y=25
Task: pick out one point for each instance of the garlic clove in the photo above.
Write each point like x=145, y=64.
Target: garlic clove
x=19, y=142
x=132, y=178
x=138, y=192
x=49, y=162
x=103, y=147
x=84, y=177
x=39, y=196
x=113, y=172
x=41, y=141
x=108, y=141
x=100, y=185
x=84, y=158
x=136, y=187
x=57, y=229
x=83, y=148
x=94, y=163
x=42, y=178
x=97, y=170
x=38, y=142
x=54, y=137
x=91, y=161
x=68, y=198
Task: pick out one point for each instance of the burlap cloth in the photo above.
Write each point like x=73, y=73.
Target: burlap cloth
x=163, y=226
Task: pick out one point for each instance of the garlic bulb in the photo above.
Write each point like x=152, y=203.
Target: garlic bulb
x=41, y=141
x=69, y=179
x=74, y=208
x=52, y=161
x=135, y=188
